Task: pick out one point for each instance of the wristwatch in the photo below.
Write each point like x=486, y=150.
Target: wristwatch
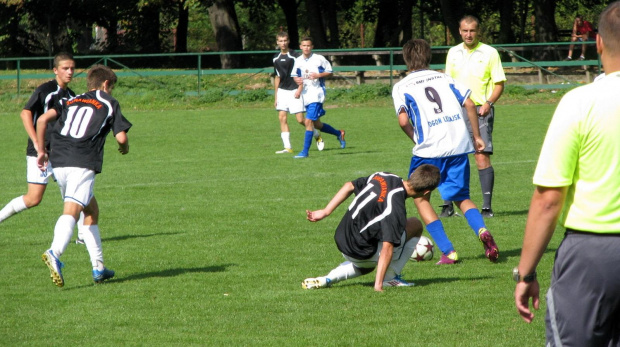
x=529, y=278
x=490, y=103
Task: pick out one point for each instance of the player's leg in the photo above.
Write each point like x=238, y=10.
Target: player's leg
x=434, y=226
x=344, y=271
x=584, y=38
x=37, y=183
x=402, y=254
x=570, y=48
x=285, y=133
x=326, y=128
x=92, y=239
x=486, y=173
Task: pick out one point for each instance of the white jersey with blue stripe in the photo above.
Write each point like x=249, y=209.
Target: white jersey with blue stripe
x=314, y=90
x=434, y=103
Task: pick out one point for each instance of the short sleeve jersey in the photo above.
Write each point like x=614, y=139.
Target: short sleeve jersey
x=376, y=214
x=283, y=66
x=479, y=69
x=433, y=102
x=581, y=151
x=314, y=90
x=80, y=132
x=45, y=97
x=586, y=27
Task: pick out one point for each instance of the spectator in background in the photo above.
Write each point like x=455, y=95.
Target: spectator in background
x=582, y=32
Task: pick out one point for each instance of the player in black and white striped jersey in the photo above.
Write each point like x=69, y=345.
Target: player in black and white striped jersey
x=375, y=231
x=76, y=148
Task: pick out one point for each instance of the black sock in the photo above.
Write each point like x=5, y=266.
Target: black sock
x=487, y=180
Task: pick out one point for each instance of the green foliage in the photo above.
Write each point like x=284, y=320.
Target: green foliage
x=205, y=227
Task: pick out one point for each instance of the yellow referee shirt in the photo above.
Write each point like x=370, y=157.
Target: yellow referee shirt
x=479, y=69
x=581, y=151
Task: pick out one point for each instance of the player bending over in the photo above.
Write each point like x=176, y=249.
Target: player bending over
x=375, y=231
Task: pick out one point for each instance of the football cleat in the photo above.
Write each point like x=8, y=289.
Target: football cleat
x=451, y=258
x=100, y=276
x=55, y=267
x=447, y=211
x=286, y=150
x=320, y=144
x=343, y=143
x=487, y=213
x=301, y=155
x=397, y=282
x=316, y=283
x=79, y=241
x=490, y=248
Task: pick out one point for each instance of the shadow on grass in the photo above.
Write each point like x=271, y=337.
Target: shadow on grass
x=505, y=254
x=127, y=237
x=171, y=273
x=162, y=273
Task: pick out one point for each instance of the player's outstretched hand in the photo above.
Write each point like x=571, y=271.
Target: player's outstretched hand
x=42, y=161
x=523, y=293
x=315, y=216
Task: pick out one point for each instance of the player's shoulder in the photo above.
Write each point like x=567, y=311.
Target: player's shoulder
x=47, y=87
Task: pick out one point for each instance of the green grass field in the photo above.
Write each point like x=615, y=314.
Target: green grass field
x=205, y=227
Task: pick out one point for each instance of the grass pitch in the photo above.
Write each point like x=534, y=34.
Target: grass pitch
x=205, y=227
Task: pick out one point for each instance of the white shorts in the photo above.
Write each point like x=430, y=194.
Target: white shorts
x=34, y=174
x=372, y=261
x=76, y=184
x=287, y=102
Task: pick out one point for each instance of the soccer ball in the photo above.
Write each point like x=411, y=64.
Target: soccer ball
x=423, y=250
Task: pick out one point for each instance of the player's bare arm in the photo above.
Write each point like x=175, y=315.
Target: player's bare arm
x=498, y=89
x=276, y=85
x=26, y=116
x=405, y=124
x=385, y=258
x=342, y=195
x=123, y=142
x=40, y=143
x=545, y=208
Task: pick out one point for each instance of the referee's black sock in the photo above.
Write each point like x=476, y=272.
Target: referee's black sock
x=487, y=180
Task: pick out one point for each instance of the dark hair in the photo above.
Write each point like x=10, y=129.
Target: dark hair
x=306, y=38
x=609, y=27
x=97, y=75
x=282, y=34
x=417, y=54
x=62, y=56
x=424, y=178
x=469, y=18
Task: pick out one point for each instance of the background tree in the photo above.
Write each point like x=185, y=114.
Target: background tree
x=226, y=28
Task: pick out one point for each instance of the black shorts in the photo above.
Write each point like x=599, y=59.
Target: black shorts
x=583, y=301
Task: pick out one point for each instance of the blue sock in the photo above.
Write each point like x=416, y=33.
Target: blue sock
x=330, y=130
x=439, y=235
x=474, y=218
x=308, y=141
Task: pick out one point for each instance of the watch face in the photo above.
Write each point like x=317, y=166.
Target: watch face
x=515, y=274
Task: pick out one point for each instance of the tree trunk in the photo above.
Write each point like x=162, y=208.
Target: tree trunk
x=386, y=34
x=332, y=24
x=180, y=42
x=149, y=29
x=506, y=15
x=317, y=29
x=452, y=11
x=227, y=33
x=546, y=29
x=289, y=7
x=406, y=25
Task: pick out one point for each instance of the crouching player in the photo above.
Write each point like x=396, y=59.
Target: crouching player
x=375, y=231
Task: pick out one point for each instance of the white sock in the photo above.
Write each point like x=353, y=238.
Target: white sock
x=400, y=260
x=92, y=240
x=316, y=134
x=286, y=139
x=343, y=272
x=14, y=206
x=62, y=234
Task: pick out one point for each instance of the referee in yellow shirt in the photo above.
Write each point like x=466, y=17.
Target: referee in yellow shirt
x=478, y=67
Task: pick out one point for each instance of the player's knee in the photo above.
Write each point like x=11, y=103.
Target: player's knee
x=365, y=270
x=413, y=227
x=32, y=201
